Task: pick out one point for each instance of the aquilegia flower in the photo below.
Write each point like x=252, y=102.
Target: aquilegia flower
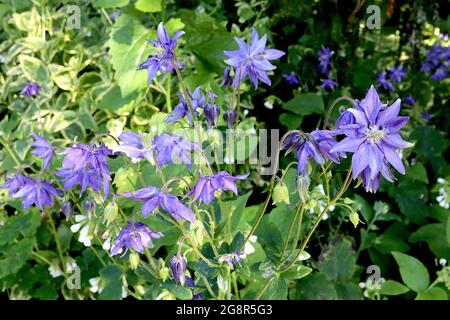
x=212, y=111
x=409, y=100
x=316, y=144
x=15, y=182
x=136, y=146
x=136, y=236
x=172, y=149
x=230, y=118
x=374, y=139
x=291, y=78
x=384, y=83
x=43, y=149
x=86, y=165
x=154, y=198
x=178, y=268
x=163, y=59
x=231, y=259
x=324, y=56
x=37, y=192
x=328, y=84
x=181, y=110
x=397, y=74
x=208, y=187
x=30, y=89
x=252, y=60
x=226, y=77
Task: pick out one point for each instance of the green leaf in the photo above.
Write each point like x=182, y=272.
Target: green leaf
x=417, y=172
x=183, y=293
x=25, y=224
x=315, y=287
x=114, y=100
x=434, y=235
x=414, y=274
x=64, y=236
x=296, y=272
x=127, y=39
x=338, y=261
x=277, y=290
x=434, y=293
x=16, y=256
x=305, y=104
x=291, y=121
x=149, y=5
x=393, y=288
x=411, y=198
x=111, y=282
x=107, y=4
x=33, y=68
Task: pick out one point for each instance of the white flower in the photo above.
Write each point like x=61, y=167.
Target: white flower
x=82, y=225
x=362, y=285
x=268, y=104
x=443, y=262
x=55, y=271
x=95, y=285
x=441, y=180
x=249, y=248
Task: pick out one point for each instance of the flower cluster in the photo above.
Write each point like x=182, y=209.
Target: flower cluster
x=386, y=79
x=324, y=55
x=437, y=62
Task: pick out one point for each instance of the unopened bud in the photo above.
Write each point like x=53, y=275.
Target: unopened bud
x=134, y=260
x=111, y=211
x=303, y=182
x=280, y=193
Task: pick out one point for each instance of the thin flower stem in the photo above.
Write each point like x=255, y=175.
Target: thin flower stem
x=10, y=152
x=58, y=244
x=98, y=256
x=291, y=227
x=319, y=219
x=208, y=287
x=238, y=98
x=330, y=109
x=168, y=93
x=106, y=16
x=297, y=233
x=264, y=288
x=184, y=90
x=42, y=258
x=236, y=289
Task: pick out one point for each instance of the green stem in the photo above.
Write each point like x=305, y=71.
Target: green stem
x=168, y=93
x=58, y=244
x=291, y=227
x=10, y=152
x=184, y=91
x=235, y=286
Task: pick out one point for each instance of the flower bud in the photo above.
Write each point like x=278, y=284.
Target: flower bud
x=67, y=209
x=164, y=273
x=354, y=218
x=89, y=206
x=134, y=260
x=280, y=193
x=230, y=117
x=303, y=182
x=226, y=78
x=178, y=268
x=111, y=211
x=212, y=112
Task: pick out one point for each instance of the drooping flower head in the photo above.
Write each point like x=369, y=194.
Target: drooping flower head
x=15, y=182
x=43, y=149
x=397, y=74
x=409, y=100
x=227, y=80
x=230, y=118
x=231, y=259
x=384, y=83
x=66, y=209
x=154, y=198
x=316, y=144
x=86, y=165
x=36, y=192
x=178, y=268
x=291, y=78
x=135, y=236
x=163, y=59
x=181, y=110
x=212, y=111
x=209, y=187
x=252, y=60
x=374, y=139
x=31, y=89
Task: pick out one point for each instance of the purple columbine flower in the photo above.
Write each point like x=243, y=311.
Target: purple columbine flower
x=437, y=61
x=66, y=209
x=181, y=110
x=426, y=116
x=43, y=149
x=154, y=198
x=231, y=259
x=136, y=236
x=291, y=78
x=163, y=59
x=86, y=165
x=374, y=139
x=384, y=83
x=209, y=187
x=409, y=100
x=230, y=118
x=324, y=56
x=328, y=84
x=178, y=268
x=15, y=182
x=316, y=144
x=226, y=77
x=37, y=192
x=135, y=146
x=172, y=149
x=212, y=111
x=252, y=60
x=440, y=73
x=31, y=89
x=397, y=74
